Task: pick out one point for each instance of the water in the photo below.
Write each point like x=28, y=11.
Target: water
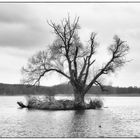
x=120, y=119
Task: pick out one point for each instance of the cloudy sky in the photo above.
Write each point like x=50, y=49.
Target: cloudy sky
x=24, y=31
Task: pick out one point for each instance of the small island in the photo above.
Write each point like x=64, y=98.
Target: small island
x=50, y=103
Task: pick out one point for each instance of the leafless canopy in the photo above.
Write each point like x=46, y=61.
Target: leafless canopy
x=70, y=58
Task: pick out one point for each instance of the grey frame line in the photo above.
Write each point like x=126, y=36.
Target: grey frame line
x=69, y=1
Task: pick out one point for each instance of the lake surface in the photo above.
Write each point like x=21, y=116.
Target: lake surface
x=120, y=119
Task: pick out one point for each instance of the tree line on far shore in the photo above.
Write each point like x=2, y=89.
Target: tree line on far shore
x=17, y=89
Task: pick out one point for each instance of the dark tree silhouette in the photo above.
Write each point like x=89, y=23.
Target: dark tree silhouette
x=70, y=58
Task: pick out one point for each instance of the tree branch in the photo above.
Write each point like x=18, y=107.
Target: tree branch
x=47, y=70
x=92, y=51
x=118, y=51
x=83, y=68
x=101, y=86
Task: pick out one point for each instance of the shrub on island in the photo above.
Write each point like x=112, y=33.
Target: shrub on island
x=50, y=103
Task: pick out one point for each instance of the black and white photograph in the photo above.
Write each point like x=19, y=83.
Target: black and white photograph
x=70, y=69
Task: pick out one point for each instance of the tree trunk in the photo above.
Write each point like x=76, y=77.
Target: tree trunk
x=79, y=99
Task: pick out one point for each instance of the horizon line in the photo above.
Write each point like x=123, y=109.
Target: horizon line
x=67, y=84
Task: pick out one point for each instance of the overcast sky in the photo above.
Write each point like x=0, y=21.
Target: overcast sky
x=24, y=31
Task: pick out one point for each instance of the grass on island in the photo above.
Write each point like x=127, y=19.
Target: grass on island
x=50, y=103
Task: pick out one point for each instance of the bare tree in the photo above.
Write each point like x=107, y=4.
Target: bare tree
x=70, y=58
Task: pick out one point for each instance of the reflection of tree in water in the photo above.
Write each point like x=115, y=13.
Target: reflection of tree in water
x=69, y=123
x=79, y=125
x=86, y=123
x=79, y=112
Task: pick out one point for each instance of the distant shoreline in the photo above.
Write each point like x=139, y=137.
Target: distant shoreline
x=96, y=95
x=121, y=95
